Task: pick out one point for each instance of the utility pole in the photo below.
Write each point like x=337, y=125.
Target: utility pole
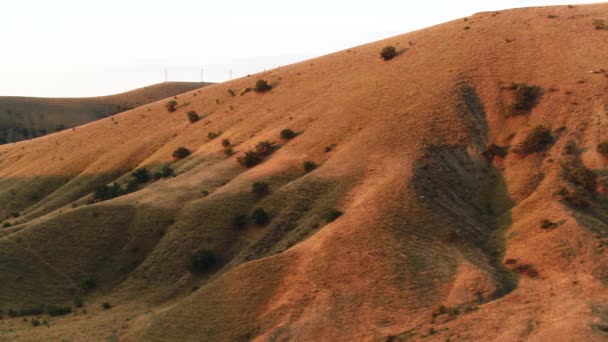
x=231, y=73
x=166, y=75
x=202, y=75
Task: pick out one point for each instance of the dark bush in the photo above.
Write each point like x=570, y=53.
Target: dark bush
x=226, y=143
x=602, y=148
x=250, y=159
x=260, y=216
x=141, y=175
x=495, y=150
x=213, y=135
x=106, y=305
x=181, y=152
x=35, y=322
x=571, y=147
x=547, y=224
x=538, y=140
x=171, y=106
x=55, y=310
x=202, y=261
x=333, y=215
x=388, y=53
x=260, y=188
x=309, y=165
x=582, y=176
x=288, y=134
x=228, y=151
x=262, y=86
x=104, y=192
x=193, y=116
x=577, y=198
x=264, y=148
x=240, y=221
x=78, y=302
x=526, y=97
x=7, y=225
x=88, y=284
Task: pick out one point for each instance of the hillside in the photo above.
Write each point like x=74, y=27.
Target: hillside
x=24, y=118
x=454, y=192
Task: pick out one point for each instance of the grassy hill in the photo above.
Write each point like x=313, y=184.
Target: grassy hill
x=24, y=118
x=453, y=192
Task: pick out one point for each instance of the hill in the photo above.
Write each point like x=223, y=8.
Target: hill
x=29, y=117
x=454, y=192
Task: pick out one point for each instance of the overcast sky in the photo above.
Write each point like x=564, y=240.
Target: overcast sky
x=72, y=48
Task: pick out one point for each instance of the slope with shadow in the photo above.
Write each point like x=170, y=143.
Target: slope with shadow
x=460, y=218
x=24, y=118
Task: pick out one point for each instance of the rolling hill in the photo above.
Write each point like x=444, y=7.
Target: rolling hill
x=24, y=118
x=454, y=192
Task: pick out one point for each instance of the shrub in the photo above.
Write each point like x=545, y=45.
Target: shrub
x=106, y=305
x=260, y=216
x=35, y=322
x=7, y=225
x=264, y=148
x=571, y=147
x=250, y=159
x=213, y=135
x=171, y=105
x=262, y=86
x=526, y=97
x=141, y=176
x=577, y=198
x=333, y=215
x=231, y=92
x=88, y=284
x=547, y=224
x=240, y=221
x=495, y=150
x=226, y=143
x=202, y=261
x=228, y=151
x=54, y=310
x=181, y=152
x=388, y=52
x=288, y=134
x=193, y=116
x=309, y=165
x=104, y=192
x=78, y=302
x=538, y=140
x=260, y=188
x=582, y=176
x=602, y=148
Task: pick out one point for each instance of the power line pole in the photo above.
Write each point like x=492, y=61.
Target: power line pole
x=231, y=73
x=166, y=75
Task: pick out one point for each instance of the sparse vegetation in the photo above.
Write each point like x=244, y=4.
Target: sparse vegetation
x=581, y=176
x=388, y=52
x=576, y=198
x=141, y=175
x=171, y=105
x=547, y=224
x=260, y=188
x=526, y=97
x=181, y=153
x=193, y=116
x=538, y=140
x=213, y=135
x=202, y=261
x=262, y=86
x=165, y=172
x=104, y=192
x=231, y=92
x=309, y=165
x=56, y=310
x=495, y=150
x=260, y=216
x=7, y=225
x=571, y=147
x=288, y=134
x=78, y=302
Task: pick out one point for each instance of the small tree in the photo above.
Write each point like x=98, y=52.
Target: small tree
x=226, y=143
x=288, y=134
x=141, y=175
x=181, y=152
x=388, y=53
x=193, y=116
x=250, y=159
x=171, y=105
x=264, y=148
x=262, y=86
x=309, y=165
x=260, y=188
x=202, y=261
x=260, y=216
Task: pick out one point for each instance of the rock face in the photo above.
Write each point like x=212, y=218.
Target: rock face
x=457, y=195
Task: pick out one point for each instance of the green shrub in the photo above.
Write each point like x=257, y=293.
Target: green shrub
x=264, y=148
x=388, y=52
x=106, y=305
x=193, y=116
x=228, y=151
x=202, y=261
x=333, y=215
x=602, y=148
x=171, y=105
x=260, y=188
x=181, y=152
x=226, y=143
x=213, y=135
x=104, y=192
x=260, y=217
x=88, y=284
x=526, y=97
x=240, y=221
x=288, y=134
x=7, y=225
x=141, y=176
x=250, y=159
x=55, y=310
x=262, y=86
x=309, y=165
x=538, y=140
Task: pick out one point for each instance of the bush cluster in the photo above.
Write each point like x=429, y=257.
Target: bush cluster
x=388, y=52
x=526, y=97
x=253, y=158
x=538, y=140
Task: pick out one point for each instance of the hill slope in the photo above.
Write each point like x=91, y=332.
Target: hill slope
x=460, y=219
x=29, y=117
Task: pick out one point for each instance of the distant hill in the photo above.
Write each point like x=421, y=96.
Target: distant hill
x=23, y=118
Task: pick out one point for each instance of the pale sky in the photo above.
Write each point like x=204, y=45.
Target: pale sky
x=73, y=48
